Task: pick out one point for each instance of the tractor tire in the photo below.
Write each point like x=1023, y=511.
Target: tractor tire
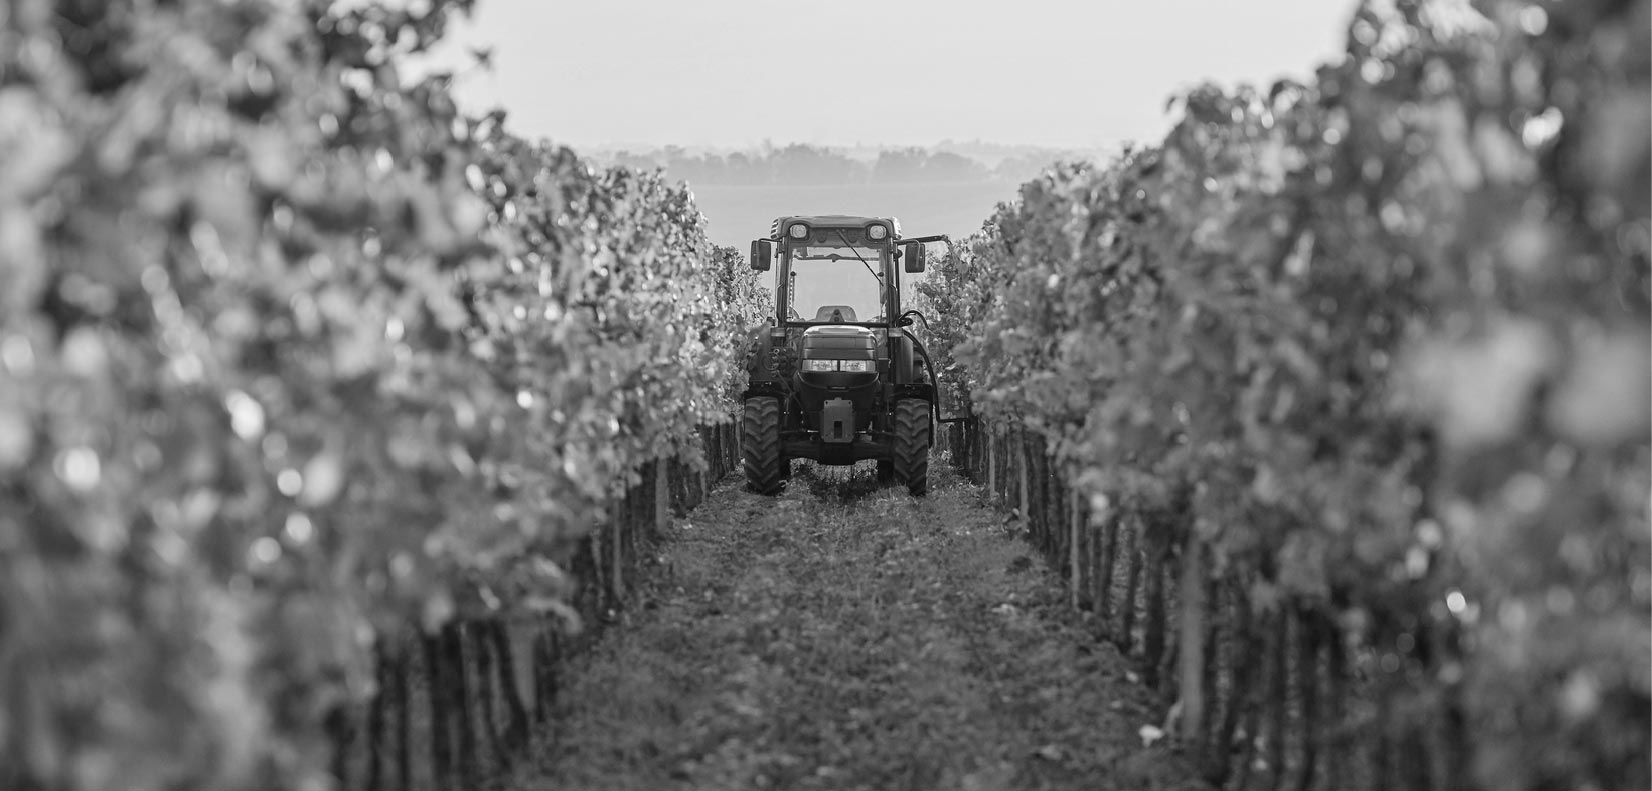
x=911, y=457
x=760, y=445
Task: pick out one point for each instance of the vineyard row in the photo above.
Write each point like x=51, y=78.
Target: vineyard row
x=310, y=385
x=1332, y=406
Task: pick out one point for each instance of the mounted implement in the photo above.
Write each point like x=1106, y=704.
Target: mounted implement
x=837, y=376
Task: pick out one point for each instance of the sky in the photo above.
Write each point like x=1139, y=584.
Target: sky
x=738, y=73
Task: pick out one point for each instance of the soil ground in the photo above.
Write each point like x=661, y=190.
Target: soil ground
x=849, y=636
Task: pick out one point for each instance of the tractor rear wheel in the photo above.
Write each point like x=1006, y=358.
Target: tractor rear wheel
x=911, y=456
x=760, y=444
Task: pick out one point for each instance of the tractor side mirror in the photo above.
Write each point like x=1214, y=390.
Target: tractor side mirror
x=762, y=252
x=915, y=257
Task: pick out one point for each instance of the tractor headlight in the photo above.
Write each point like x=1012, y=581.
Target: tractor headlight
x=855, y=366
x=820, y=365
x=877, y=231
x=797, y=230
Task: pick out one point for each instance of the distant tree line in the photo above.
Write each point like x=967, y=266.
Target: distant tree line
x=804, y=164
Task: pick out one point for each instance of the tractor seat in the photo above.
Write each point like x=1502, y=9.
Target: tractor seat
x=835, y=313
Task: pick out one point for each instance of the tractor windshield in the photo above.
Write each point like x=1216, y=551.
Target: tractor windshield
x=830, y=284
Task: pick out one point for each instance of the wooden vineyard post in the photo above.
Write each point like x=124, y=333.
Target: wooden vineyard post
x=1004, y=448
x=718, y=451
x=512, y=682
x=662, y=496
x=992, y=478
x=987, y=476
x=340, y=728
x=1059, y=526
x=1088, y=542
x=973, y=430
x=1000, y=438
x=977, y=450
x=697, y=486
x=486, y=684
x=1419, y=760
x=1104, y=570
x=1001, y=458
x=454, y=645
x=542, y=658
x=687, y=488
x=1216, y=627
x=1055, y=493
x=639, y=513
x=1132, y=583
x=1038, y=503
x=1242, y=642
x=733, y=449
x=375, y=719
x=1023, y=463
x=1336, y=692
x=588, y=564
x=1264, y=645
x=981, y=452
x=1053, y=503
x=548, y=648
x=1153, y=601
x=1278, y=696
x=1307, y=663
x=1192, y=669
x=402, y=682
x=694, y=487
x=436, y=689
x=616, y=526
x=1075, y=574
x=1032, y=460
x=1454, y=741
x=712, y=440
x=992, y=469
x=1382, y=750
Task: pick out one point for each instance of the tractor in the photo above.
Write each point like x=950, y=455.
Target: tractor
x=836, y=376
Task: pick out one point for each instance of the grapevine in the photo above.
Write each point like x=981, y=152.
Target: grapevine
x=1368, y=354
x=300, y=361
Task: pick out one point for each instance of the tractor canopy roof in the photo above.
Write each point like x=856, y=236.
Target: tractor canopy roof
x=777, y=230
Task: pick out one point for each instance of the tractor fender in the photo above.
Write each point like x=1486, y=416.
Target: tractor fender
x=922, y=354
x=757, y=350
x=905, y=355
x=915, y=359
x=916, y=372
x=763, y=374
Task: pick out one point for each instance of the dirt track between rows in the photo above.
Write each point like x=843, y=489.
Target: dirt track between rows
x=848, y=636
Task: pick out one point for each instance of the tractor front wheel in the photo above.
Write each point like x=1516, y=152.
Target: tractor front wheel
x=760, y=444
x=911, y=456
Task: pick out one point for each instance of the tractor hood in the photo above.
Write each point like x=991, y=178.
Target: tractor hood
x=837, y=360
x=839, y=342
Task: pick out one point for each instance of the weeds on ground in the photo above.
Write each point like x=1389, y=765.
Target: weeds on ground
x=838, y=484
x=848, y=635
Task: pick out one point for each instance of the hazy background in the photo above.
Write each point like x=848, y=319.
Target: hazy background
x=808, y=90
